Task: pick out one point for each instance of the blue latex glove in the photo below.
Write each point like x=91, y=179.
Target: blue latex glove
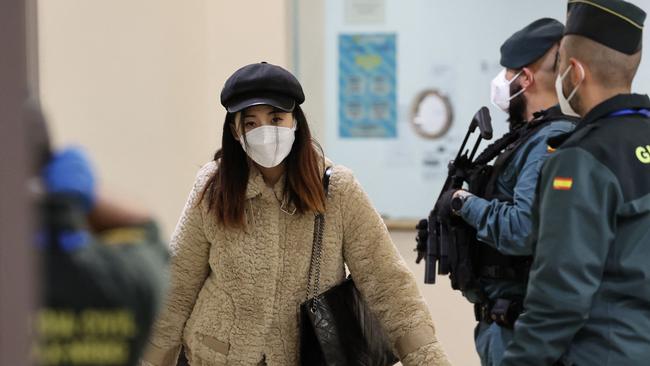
x=70, y=172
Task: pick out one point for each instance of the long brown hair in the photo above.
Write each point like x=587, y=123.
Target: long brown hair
x=226, y=189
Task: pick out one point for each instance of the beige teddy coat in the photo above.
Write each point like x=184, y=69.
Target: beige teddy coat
x=235, y=294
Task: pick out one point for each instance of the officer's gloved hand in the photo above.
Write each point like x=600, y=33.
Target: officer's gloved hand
x=70, y=172
x=443, y=206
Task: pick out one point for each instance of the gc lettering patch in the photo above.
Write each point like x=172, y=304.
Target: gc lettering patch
x=643, y=154
x=91, y=337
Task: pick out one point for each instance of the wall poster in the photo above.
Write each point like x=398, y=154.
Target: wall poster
x=367, y=86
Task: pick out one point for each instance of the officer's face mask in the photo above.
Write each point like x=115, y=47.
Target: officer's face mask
x=565, y=102
x=268, y=146
x=500, y=90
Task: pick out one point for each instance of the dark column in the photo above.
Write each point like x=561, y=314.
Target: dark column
x=16, y=258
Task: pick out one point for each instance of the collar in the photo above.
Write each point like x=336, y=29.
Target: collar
x=554, y=111
x=551, y=114
x=614, y=104
x=257, y=188
x=256, y=185
x=601, y=112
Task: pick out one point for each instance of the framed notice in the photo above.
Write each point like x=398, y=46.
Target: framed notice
x=367, y=86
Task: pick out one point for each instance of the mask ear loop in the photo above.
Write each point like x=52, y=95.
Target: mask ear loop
x=582, y=78
x=522, y=89
x=564, y=74
x=515, y=77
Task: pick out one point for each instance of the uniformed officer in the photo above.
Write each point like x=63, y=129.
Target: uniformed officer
x=588, y=298
x=103, y=266
x=525, y=90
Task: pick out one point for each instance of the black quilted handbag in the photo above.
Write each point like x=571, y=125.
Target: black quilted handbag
x=336, y=327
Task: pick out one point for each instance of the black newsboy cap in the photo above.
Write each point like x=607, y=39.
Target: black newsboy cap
x=615, y=24
x=530, y=43
x=261, y=83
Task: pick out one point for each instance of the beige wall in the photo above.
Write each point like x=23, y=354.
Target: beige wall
x=310, y=57
x=137, y=83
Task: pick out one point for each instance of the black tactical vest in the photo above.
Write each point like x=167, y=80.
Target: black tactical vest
x=486, y=261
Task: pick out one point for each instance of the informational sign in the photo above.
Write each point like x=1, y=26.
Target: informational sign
x=358, y=12
x=367, y=86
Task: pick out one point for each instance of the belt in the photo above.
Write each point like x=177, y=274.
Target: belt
x=502, y=272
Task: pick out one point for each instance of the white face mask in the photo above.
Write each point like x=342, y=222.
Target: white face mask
x=564, y=102
x=268, y=146
x=500, y=91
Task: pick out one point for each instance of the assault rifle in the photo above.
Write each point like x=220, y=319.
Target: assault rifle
x=436, y=239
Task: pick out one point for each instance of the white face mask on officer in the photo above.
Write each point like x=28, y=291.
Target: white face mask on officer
x=268, y=146
x=565, y=104
x=500, y=90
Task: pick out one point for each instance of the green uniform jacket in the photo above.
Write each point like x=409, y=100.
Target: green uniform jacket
x=100, y=293
x=588, y=297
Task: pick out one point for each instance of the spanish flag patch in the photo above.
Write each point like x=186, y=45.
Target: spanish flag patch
x=562, y=183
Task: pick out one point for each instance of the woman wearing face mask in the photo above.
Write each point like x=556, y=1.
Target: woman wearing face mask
x=242, y=249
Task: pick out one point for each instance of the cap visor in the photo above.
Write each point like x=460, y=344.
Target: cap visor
x=278, y=101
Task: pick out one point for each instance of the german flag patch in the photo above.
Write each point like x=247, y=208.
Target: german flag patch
x=562, y=183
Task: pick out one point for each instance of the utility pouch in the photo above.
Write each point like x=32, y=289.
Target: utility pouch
x=505, y=312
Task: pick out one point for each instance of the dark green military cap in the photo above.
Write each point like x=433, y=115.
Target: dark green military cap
x=616, y=24
x=530, y=43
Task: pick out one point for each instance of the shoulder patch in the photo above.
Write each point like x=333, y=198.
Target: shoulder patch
x=562, y=183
